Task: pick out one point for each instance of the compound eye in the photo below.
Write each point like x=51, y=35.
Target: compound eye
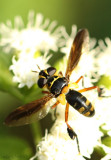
x=41, y=73
x=42, y=82
x=51, y=71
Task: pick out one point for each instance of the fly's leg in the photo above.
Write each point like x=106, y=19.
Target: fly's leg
x=70, y=131
x=80, y=79
x=99, y=90
x=55, y=104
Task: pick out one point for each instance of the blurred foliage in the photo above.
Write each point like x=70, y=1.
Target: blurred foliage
x=13, y=148
x=93, y=14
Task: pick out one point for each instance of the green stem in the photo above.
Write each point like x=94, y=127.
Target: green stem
x=8, y=86
x=37, y=133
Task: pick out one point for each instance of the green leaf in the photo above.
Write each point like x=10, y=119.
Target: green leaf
x=105, y=132
x=12, y=148
x=106, y=81
x=97, y=154
x=107, y=141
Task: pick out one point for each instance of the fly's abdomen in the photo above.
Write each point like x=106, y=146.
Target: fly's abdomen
x=80, y=103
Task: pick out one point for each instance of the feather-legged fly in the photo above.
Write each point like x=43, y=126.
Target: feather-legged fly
x=58, y=87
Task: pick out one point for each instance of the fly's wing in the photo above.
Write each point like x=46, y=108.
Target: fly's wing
x=80, y=42
x=30, y=112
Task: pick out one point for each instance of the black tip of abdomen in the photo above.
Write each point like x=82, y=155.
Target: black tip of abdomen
x=92, y=113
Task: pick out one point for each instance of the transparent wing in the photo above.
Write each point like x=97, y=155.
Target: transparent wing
x=30, y=112
x=79, y=44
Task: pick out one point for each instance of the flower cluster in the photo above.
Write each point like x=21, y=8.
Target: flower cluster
x=102, y=59
x=30, y=47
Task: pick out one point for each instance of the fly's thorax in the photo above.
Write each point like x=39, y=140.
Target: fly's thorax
x=55, y=84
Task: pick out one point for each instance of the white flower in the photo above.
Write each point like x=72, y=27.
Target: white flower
x=103, y=58
x=38, y=35
x=58, y=145
x=103, y=110
x=68, y=39
x=28, y=43
x=23, y=69
x=107, y=157
x=57, y=142
x=55, y=147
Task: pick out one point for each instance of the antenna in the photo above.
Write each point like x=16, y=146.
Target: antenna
x=38, y=68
